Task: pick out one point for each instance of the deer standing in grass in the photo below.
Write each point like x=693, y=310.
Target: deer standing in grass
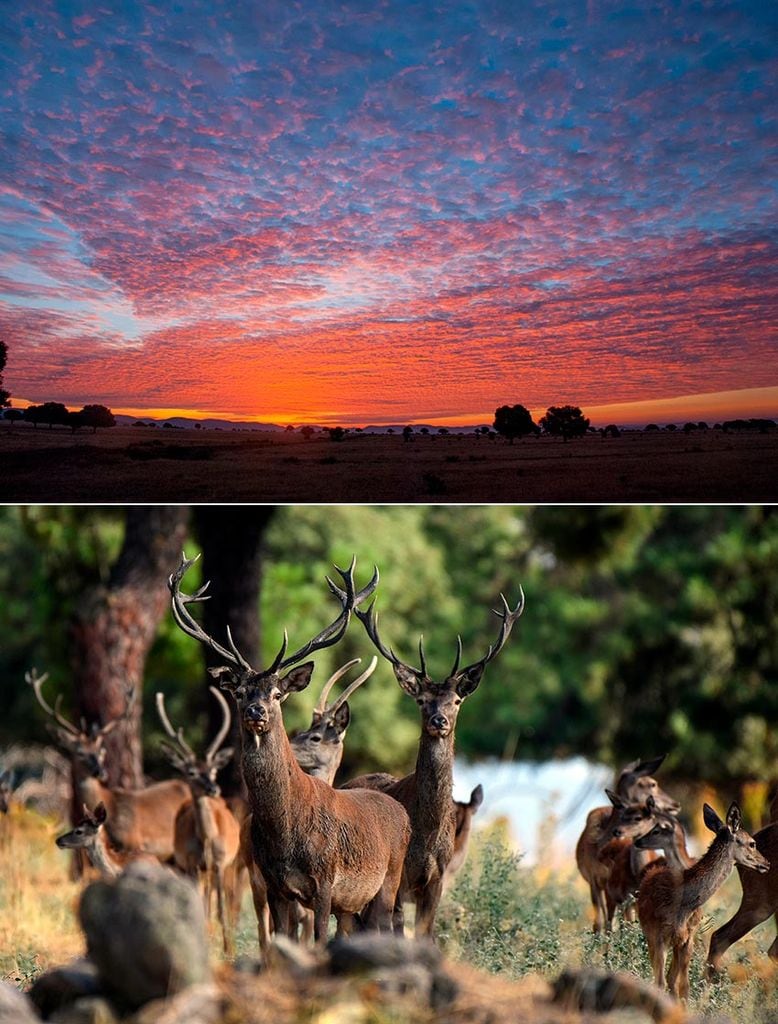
x=332, y=851
x=670, y=900
x=427, y=792
x=758, y=902
x=318, y=750
x=207, y=834
x=635, y=786
x=137, y=819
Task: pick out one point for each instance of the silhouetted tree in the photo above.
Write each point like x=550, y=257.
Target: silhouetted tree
x=53, y=412
x=425, y=431
x=307, y=432
x=407, y=433
x=5, y=396
x=514, y=421
x=689, y=427
x=75, y=420
x=671, y=427
x=198, y=426
x=564, y=421
x=702, y=425
x=95, y=416
x=610, y=431
x=336, y=433
x=13, y=415
x=442, y=430
x=289, y=428
x=651, y=426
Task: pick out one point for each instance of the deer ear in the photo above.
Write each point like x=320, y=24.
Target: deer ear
x=651, y=803
x=223, y=757
x=734, y=818
x=408, y=679
x=649, y=767
x=711, y=819
x=342, y=718
x=297, y=679
x=477, y=797
x=467, y=681
x=614, y=798
x=100, y=814
x=224, y=676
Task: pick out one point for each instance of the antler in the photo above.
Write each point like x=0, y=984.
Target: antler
x=321, y=706
x=35, y=681
x=129, y=698
x=176, y=735
x=192, y=628
x=222, y=733
x=369, y=620
x=508, y=619
x=330, y=634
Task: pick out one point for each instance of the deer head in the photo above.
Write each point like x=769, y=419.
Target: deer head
x=85, y=832
x=744, y=845
x=439, y=702
x=199, y=772
x=83, y=743
x=6, y=791
x=636, y=783
x=627, y=820
x=259, y=694
x=466, y=809
x=319, y=749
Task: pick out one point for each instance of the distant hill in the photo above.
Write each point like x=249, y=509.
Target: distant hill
x=187, y=423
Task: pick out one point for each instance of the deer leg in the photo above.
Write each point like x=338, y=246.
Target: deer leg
x=426, y=909
x=398, y=915
x=345, y=925
x=610, y=911
x=322, y=906
x=280, y=912
x=657, y=954
x=261, y=908
x=682, y=958
x=221, y=910
x=744, y=920
x=598, y=902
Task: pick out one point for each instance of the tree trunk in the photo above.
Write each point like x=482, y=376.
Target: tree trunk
x=115, y=627
x=231, y=540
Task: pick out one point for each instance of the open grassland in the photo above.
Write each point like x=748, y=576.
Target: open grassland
x=133, y=464
x=501, y=918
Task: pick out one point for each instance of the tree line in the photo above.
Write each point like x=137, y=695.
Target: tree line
x=54, y=414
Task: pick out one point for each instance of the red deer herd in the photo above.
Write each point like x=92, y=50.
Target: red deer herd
x=359, y=852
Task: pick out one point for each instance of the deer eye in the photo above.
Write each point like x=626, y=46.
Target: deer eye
x=420, y=701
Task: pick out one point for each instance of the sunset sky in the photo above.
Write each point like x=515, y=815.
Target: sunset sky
x=382, y=211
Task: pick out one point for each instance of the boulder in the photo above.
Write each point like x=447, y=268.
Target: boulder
x=145, y=931
x=62, y=986
x=198, y=1004
x=15, y=1007
x=91, y=1010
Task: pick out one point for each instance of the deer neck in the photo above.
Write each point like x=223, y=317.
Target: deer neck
x=92, y=792
x=101, y=858
x=710, y=872
x=272, y=777
x=205, y=819
x=434, y=779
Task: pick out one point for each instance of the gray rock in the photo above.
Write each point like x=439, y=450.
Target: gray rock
x=61, y=986
x=15, y=1007
x=367, y=951
x=145, y=931
x=198, y=1004
x=92, y=1010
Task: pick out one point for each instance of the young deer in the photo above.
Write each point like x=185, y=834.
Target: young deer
x=463, y=823
x=137, y=819
x=634, y=786
x=427, y=793
x=207, y=834
x=319, y=749
x=759, y=901
x=670, y=900
x=332, y=851
x=89, y=836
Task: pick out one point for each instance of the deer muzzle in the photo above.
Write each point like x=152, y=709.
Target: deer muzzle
x=438, y=725
x=255, y=718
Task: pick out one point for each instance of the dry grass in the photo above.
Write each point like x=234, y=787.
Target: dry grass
x=217, y=466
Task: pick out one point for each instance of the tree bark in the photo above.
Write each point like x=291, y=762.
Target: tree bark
x=231, y=541
x=115, y=627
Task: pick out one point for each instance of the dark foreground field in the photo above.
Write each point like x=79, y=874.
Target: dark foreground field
x=133, y=464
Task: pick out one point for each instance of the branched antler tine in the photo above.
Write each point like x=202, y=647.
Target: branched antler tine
x=221, y=735
x=174, y=734
x=369, y=620
x=36, y=682
x=354, y=685
x=61, y=720
x=182, y=616
x=422, y=659
x=333, y=633
x=361, y=595
x=458, y=658
x=321, y=703
x=281, y=652
x=241, y=660
x=508, y=619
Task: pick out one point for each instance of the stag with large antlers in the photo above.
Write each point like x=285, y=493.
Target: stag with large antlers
x=207, y=834
x=331, y=851
x=427, y=793
x=137, y=819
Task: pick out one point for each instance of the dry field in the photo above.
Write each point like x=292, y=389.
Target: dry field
x=133, y=464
